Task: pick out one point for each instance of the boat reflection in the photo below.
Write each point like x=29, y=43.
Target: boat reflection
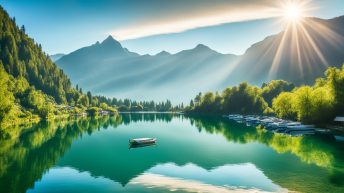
x=136, y=145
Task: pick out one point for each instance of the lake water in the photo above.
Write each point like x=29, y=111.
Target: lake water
x=191, y=155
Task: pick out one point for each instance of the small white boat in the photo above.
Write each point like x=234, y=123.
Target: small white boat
x=142, y=141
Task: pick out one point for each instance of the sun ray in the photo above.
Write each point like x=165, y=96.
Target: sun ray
x=313, y=45
x=278, y=55
x=298, y=44
x=295, y=40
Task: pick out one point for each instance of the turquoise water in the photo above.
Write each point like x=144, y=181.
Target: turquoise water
x=191, y=155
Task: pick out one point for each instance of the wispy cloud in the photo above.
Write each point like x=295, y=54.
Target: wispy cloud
x=234, y=11
x=199, y=15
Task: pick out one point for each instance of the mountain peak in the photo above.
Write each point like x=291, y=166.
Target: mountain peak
x=202, y=46
x=110, y=41
x=110, y=38
x=163, y=53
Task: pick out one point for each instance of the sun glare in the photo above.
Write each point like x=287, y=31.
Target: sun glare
x=293, y=12
x=298, y=36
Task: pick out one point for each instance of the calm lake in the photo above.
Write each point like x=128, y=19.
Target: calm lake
x=191, y=155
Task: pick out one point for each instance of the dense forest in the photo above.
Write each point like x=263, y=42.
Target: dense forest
x=304, y=103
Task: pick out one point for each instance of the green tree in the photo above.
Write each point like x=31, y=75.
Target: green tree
x=274, y=88
x=303, y=103
x=93, y=111
x=335, y=80
x=323, y=105
x=207, y=102
x=244, y=99
x=192, y=104
x=6, y=97
x=103, y=106
x=198, y=99
x=283, y=106
x=89, y=95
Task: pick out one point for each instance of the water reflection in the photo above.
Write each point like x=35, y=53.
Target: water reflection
x=148, y=117
x=191, y=178
x=24, y=159
x=316, y=149
x=141, y=145
x=186, y=159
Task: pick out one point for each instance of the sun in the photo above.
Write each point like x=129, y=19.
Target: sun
x=293, y=12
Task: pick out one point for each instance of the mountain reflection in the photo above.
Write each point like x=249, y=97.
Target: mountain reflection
x=100, y=147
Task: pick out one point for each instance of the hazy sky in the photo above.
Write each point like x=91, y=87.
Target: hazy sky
x=150, y=26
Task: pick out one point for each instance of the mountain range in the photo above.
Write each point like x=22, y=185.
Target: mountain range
x=300, y=54
x=109, y=69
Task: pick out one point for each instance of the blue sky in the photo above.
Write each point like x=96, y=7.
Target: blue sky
x=228, y=26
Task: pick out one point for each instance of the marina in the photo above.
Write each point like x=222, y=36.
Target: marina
x=277, y=125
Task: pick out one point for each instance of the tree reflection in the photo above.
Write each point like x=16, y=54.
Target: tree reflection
x=320, y=150
x=25, y=159
x=148, y=117
x=313, y=150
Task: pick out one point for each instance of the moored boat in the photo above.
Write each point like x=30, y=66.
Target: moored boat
x=142, y=141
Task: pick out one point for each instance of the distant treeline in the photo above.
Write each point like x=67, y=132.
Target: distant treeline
x=317, y=104
x=124, y=105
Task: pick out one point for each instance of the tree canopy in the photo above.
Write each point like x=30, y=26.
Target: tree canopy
x=317, y=104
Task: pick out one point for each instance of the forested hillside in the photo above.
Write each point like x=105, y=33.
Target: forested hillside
x=31, y=84
x=22, y=57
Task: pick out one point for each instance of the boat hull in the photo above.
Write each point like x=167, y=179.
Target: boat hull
x=142, y=141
